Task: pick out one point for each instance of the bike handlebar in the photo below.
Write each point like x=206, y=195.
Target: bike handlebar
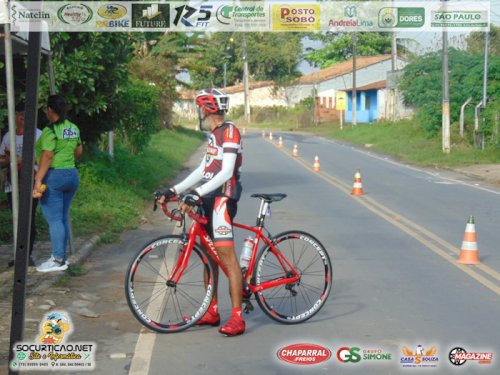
x=177, y=215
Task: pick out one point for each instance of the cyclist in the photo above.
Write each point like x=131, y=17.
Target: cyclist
x=219, y=174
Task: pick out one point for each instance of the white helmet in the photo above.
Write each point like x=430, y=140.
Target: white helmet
x=213, y=100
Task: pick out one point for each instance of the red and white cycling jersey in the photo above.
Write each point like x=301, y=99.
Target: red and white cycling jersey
x=224, y=139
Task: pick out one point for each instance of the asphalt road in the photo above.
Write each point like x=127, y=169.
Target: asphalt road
x=396, y=281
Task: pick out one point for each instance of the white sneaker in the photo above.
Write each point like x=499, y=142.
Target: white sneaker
x=52, y=265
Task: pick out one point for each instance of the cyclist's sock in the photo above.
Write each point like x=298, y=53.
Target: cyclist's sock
x=237, y=313
x=213, y=308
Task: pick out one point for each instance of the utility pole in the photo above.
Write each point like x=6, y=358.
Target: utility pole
x=394, y=67
x=485, y=74
x=446, y=96
x=245, y=79
x=354, y=92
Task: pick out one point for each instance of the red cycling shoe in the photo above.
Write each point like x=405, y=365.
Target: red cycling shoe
x=207, y=320
x=233, y=327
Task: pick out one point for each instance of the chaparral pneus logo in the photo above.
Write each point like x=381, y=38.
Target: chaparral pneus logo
x=458, y=356
x=296, y=17
x=304, y=354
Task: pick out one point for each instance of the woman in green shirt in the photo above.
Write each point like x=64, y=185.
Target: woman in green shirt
x=56, y=150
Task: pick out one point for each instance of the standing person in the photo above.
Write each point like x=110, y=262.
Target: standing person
x=56, y=151
x=5, y=152
x=219, y=173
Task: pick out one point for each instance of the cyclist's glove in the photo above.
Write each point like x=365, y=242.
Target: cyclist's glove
x=167, y=193
x=192, y=199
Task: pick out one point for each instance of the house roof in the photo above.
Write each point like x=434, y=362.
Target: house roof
x=371, y=86
x=340, y=69
x=191, y=94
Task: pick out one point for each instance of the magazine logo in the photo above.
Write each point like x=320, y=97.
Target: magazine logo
x=304, y=354
x=296, y=17
x=346, y=354
x=193, y=17
x=401, y=17
x=114, y=16
x=75, y=14
x=419, y=358
x=459, y=356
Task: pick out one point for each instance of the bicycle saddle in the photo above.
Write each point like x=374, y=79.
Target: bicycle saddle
x=276, y=197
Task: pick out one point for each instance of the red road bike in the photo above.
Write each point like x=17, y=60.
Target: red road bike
x=169, y=283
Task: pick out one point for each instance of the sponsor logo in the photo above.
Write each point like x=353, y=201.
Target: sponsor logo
x=112, y=11
x=458, y=356
x=193, y=17
x=51, y=349
x=114, y=16
x=376, y=355
x=21, y=14
x=351, y=13
x=75, y=14
x=346, y=354
x=69, y=133
x=223, y=230
x=296, y=17
x=419, y=358
x=151, y=16
x=401, y=17
x=240, y=16
x=304, y=354
x=457, y=18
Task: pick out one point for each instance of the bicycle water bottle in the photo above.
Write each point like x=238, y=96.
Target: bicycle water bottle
x=246, y=253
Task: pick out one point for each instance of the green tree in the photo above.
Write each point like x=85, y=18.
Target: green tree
x=339, y=47
x=421, y=85
x=475, y=41
x=88, y=69
x=271, y=56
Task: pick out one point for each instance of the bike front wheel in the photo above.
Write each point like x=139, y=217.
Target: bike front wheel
x=299, y=301
x=168, y=308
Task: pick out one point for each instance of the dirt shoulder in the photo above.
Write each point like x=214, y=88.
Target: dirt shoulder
x=489, y=173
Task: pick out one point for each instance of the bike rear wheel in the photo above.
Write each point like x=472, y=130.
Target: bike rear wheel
x=299, y=301
x=164, y=308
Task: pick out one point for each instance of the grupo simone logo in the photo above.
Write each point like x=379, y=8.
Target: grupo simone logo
x=304, y=354
x=296, y=16
x=51, y=349
x=75, y=14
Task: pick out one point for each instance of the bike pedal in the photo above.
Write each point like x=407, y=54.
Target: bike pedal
x=248, y=307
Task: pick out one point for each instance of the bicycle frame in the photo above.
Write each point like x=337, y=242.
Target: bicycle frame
x=197, y=230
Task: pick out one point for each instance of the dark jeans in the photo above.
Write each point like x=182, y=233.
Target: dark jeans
x=33, y=214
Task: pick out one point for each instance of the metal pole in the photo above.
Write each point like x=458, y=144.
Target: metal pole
x=26, y=201
x=245, y=79
x=446, y=96
x=14, y=183
x=462, y=120
x=485, y=74
x=225, y=76
x=394, y=65
x=111, y=145
x=52, y=80
x=354, y=92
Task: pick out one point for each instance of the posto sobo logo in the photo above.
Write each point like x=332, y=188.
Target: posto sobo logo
x=346, y=354
x=296, y=17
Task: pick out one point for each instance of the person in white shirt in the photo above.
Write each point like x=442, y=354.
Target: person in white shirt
x=5, y=153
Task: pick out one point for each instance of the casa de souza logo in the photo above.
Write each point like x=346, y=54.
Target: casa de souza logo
x=420, y=357
x=75, y=14
x=151, y=16
x=296, y=16
x=304, y=354
x=51, y=349
x=459, y=356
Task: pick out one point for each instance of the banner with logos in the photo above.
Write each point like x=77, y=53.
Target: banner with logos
x=238, y=16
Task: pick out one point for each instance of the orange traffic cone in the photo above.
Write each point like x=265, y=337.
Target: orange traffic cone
x=263, y=133
x=280, y=142
x=469, y=253
x=316, y=164
x=295, y=151
x=357, y=188
x=270, y=136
